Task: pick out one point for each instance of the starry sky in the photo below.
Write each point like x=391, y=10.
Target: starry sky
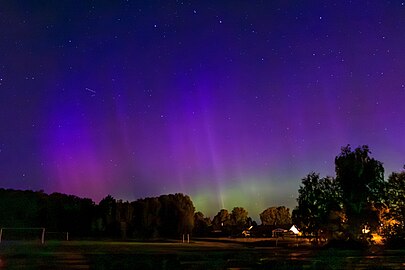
x=230, y=102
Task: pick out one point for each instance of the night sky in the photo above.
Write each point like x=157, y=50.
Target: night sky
x=230, y=102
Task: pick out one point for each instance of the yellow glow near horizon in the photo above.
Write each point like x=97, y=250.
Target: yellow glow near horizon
x=254, y=196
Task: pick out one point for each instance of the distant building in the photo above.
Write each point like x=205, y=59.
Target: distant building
x=279, y=232
x=294, y=230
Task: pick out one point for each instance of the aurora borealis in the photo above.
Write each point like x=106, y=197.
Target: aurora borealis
x=230, y=102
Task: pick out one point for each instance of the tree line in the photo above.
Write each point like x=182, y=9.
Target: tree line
x=166, y=216
x=163, y=216
x=233, y=223
x=355, y=206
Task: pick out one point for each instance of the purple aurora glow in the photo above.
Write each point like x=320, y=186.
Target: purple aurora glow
x=229, y=102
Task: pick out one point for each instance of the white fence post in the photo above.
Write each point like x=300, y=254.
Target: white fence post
x=43, y=236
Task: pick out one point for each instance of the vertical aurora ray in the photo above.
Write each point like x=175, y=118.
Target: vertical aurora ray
x=194, y=154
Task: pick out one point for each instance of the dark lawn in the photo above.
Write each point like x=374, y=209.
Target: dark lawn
x=199, y=254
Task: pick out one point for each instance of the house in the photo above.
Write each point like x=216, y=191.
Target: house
x=295, y=230
x=279, y=232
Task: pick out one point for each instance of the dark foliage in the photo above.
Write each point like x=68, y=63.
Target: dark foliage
x=202, y=225
x=56, y=212
x=166, y=216
x=361, y=179
x=318, y=205
x=231, y=224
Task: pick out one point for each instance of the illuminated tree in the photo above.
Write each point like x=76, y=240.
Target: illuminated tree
x=361, y=179
x=395, y=225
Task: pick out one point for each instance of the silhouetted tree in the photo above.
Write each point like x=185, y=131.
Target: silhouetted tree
x=239, y=220
x=108, y=211
x=361, y=179
x=222, y=220
x=20, y=208
x=86, y=215
x=276, y=216
x=251, y=222
x=147, y=220
x=318, y=199
x=176, y=215
x=185, y=210
x=201, y=224
x=124, y=217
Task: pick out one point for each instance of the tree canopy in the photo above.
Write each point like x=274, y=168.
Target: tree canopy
x=221, y=219
x=361, y=180
x=318, y=198
x=276, y=216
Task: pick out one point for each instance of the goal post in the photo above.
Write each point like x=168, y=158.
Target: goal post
x=23, y=232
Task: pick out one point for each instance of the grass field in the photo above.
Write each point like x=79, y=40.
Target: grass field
x=199, y=254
